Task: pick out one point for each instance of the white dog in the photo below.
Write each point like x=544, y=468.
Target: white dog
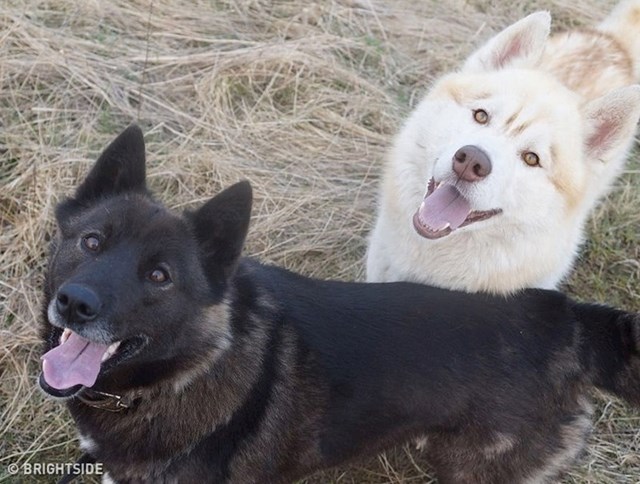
x=513, y=151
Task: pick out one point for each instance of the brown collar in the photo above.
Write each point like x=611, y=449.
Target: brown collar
x=107, y=401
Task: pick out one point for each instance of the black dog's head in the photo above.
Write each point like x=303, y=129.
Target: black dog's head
x=135, y=293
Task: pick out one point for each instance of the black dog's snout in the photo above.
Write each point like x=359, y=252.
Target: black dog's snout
x=77, y=303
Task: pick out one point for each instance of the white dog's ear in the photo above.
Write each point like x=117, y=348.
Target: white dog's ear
x=522, y=43
x=611, y=122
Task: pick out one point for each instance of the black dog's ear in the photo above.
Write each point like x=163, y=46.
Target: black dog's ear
x=120, y=168
x=220, y=227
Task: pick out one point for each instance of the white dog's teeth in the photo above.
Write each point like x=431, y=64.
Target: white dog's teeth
x=431, y=186
x=442, y=227
x=110, y=350
x=65, y=335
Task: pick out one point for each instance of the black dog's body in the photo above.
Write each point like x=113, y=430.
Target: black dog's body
x=244, y=373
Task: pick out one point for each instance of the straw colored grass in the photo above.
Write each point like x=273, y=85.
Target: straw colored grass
x=300, y=97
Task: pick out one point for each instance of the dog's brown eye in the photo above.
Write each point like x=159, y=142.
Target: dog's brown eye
x=158, y=276
x=481, y=116
x=531, y=159
x=91, y=242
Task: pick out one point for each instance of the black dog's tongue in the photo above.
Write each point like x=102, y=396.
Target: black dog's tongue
x=74, y=362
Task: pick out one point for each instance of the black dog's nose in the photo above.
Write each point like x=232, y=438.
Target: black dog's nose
x=471, y=163
x=77, y=303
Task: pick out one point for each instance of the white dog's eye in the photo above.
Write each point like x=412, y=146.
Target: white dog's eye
x=481, y=116
x=531, y=159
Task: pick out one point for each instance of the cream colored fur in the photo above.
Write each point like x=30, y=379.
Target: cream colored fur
x=578, y=112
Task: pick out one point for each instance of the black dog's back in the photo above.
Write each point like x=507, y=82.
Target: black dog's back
x=431, y=325
x=413, y=357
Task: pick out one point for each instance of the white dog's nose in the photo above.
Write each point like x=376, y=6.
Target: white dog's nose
x=471, y=163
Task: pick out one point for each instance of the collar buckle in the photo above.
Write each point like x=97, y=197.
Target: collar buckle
x=106, y=401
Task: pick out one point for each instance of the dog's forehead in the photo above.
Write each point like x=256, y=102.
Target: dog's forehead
x=130, y=213
x=530, y=89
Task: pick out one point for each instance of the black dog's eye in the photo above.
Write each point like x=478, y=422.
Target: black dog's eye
x=158, y=275
x=91, y=242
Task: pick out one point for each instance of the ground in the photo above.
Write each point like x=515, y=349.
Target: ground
x=300, y=97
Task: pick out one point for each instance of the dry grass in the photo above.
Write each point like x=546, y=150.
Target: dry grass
x=299, y=97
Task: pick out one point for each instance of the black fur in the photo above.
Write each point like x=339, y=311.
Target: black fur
x=247, y=373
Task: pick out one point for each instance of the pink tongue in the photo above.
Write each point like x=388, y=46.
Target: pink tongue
x=445, y=205
x=75, y=362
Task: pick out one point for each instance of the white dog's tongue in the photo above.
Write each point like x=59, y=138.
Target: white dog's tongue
x=74, y=362
x=444, y=207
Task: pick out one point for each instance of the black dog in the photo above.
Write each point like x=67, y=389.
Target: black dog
x=183, y=362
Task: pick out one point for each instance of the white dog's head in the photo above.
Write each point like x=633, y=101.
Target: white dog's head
x=502, y=139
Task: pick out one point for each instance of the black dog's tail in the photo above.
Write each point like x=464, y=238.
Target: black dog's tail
x=610, y=349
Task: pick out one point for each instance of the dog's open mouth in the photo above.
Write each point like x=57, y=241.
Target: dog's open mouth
x=77, y=361
x=444, y=209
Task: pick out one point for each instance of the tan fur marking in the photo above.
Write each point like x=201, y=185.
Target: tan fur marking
x=512, y=128
x=501, y=444
x=461, y=93
x=568, y=188
x=553, y=151
x=573, y=437
x=455, y=92
x=564, y=180
x=517, y=130
x=216, y=318
x=512, y=118
x=482, y=95
x=584, y=53
x=624, y=60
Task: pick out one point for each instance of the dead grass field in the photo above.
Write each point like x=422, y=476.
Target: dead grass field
x=301, y=98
